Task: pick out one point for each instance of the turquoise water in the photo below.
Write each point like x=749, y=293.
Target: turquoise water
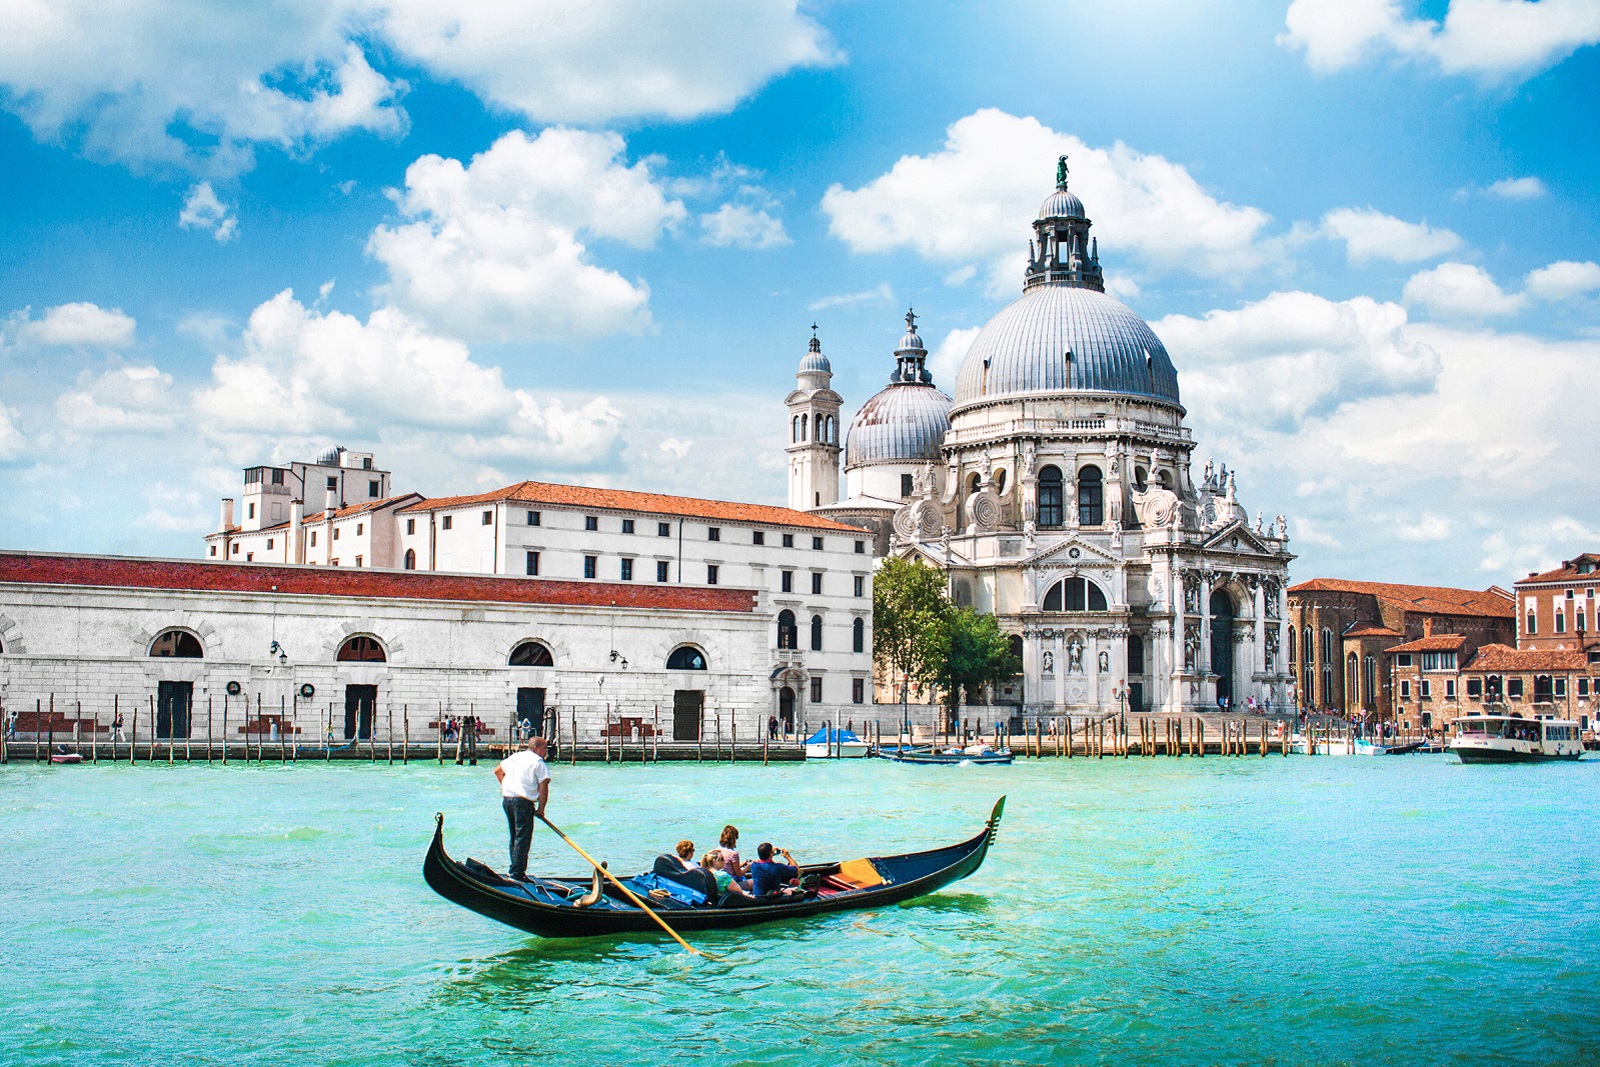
x=1263, y=911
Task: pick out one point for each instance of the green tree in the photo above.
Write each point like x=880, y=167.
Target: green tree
x=909, y=608
x=976, y=653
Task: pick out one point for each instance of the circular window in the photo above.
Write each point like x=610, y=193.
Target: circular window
x=308, y=691
x=234, y=689
x=1074, y=553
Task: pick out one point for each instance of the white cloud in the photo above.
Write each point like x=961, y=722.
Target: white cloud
x=302, y=373
x=882, y=293
x=743, y=226
x=1460, y=291
x=1295, y=356
x=11, y=440
x=1564, y=280
x=1488, y=38
x=1518, y=189
x=1427, y=527
x=945, y=360
x=971, y=202
x=202, y=210
x=676, y=448
x=75, y=325
x=1370, y=234
x=124, y=400
x=201, y=86
x=496, y=249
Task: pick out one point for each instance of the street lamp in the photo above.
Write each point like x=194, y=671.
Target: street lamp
x=283, y=654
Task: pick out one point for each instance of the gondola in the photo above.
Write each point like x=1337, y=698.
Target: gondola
x=953, y=757
x=588, y=907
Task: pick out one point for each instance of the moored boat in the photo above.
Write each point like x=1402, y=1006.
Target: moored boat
x=1514, y=738
x=953, y=756
x=832, y=742
x=587, y=907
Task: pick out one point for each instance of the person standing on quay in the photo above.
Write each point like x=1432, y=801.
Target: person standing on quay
x=524, y=790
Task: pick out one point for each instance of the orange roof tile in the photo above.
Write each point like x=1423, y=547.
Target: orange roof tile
x=1568, y=571
x=1436, y=643
x=1372, y=631
x=322, y=516
x=123, y=572
x=579, y=496
x=1429, y=599
x=1506, y=658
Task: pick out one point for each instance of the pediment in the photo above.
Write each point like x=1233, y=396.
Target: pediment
x=1238, y=537
x=1073, y=552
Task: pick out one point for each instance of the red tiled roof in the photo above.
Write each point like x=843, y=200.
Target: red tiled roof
x=122, y=572
x=1428, y=599
x=1436, y=643
x=322, y=516
x=1568, y=571
x=1506, y=658
x=1369, y=630
x=578, y=496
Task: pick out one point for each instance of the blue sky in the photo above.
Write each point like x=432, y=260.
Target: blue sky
x=586, y=242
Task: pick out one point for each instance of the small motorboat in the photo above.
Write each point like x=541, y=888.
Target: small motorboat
x=832, y=742
x=1515, y=739
x=590, y=907
x=61, y=755
x=952, y=756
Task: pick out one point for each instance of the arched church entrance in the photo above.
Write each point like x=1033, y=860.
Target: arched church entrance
x=786, y=709
x=1222, y=615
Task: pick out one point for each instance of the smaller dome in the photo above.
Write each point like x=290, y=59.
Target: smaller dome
x=911, y=343
x=814, y=362
x=1061, y=205
x=905, y=422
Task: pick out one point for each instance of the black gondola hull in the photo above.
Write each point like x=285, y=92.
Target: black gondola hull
x=515, y=904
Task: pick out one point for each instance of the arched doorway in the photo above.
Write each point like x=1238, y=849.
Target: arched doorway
x=1222, y=613
x=786, y=709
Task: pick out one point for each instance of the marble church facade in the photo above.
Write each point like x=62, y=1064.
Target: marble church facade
x=1056, y=490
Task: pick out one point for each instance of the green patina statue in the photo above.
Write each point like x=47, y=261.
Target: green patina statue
x=1061, y=173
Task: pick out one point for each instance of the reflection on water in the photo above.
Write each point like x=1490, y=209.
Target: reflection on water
x=1157, y=912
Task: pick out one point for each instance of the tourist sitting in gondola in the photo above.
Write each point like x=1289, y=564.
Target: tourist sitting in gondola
x=769, y=878
x=728, y=844
x=729, y=892
x=685, y=871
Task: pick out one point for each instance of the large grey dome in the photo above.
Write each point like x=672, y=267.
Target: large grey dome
x=905, y=422
x=1023, y=351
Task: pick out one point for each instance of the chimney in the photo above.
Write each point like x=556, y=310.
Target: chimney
x=1427, y=627
x=295, y=548
x=332, y=504
x=227, y=513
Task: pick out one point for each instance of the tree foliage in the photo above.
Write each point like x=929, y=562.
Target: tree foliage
x=976, y=653
x=909, y=609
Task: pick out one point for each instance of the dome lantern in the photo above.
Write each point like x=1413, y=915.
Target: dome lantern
x=906, y=420
x=1063, y=254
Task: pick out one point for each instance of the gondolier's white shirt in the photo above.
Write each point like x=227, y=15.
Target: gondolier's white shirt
x=524, y=771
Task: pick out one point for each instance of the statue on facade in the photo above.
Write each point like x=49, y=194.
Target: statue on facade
x=1061, y=172
x=1105, y=662
x=1281, y=525
x=1028, y=531
x=1191, y=594
x=1075, y=656
x=1260, y=529
x=1191, y=646
x=1048, y=662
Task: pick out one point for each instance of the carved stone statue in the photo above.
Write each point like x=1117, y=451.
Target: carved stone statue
x=1028, y=531
x=1075, y=657
x=1191, y=594
x=1281, y=524
x=1105, y=662
x=1191, y=646
x=1048, y=662
x=1260, y=529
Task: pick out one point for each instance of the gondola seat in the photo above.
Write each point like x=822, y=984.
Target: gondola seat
x=854, y=874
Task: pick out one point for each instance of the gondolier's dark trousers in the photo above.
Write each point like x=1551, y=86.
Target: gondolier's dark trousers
x=519, y=816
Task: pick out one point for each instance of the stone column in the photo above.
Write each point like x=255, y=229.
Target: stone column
x=1031, y=672
x=1060, y=681
x=1203, y=660
x=1259, y=656
x=1174, y=698
x=1091, y=666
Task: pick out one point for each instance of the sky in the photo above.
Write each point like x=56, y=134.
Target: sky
x=586, y=241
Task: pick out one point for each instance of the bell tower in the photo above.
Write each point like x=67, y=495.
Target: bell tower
x=813, y=432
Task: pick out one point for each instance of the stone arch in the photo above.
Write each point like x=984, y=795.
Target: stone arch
x=176, y=642
x=361, y=648
x=688, y=657
x=531, y=652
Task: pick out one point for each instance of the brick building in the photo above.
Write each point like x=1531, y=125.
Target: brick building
x=1342, y=634
x=1556, y=609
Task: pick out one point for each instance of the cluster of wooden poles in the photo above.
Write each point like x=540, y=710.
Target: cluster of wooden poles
x=1098, y=736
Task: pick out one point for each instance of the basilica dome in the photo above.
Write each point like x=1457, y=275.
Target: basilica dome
x=906, y=421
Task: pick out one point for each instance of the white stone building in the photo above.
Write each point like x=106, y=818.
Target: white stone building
x=1055, y=489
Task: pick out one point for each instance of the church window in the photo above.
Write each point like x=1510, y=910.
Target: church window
x=805, y=428
x=1075, y=594
x=795, y=436
x=178, y=643
x=1000, y=481
x=313, y=539
x=1351, y=663
x=788, y=630
x=816, y=633
x=1369, y=681
x=531, y=654
x=858, y=635
x=1292, y=659
x=1050, y=497
x=906, y=485
x=687, y=658
x=411, y=524
x=1091, y=497
x=1135, y=654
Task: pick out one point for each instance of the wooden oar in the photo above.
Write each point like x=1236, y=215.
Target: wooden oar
x=604, y=873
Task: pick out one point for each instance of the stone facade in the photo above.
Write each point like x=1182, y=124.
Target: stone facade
x=1556, y=609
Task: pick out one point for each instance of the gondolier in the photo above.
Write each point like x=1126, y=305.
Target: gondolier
x=524, y=790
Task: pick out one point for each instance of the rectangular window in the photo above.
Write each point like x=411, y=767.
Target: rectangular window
x=662, y=567
x=269, y=543
x=816, y=583
x=816, y=690
x=411, y=526
x=250, y=510
x=334, y=562
x=788, y=540
x=488, y=518
x=444, y=523
x=627, y=570
x=336, y=533
x=711, y=574
x=358, y=561
x=627, y=526
x=235, y=550
x=533, y=518
x=213, y=550
x=1561, y=622
x=663, y=529
x=759, y=537
x=858, y=690
x=1475, y=688
x=277, y=477
x=861, y=548
x=333, y=483
x=816, y=544
x=861, y=585
x=1533, y=623
x=591, y=522
x=1405, y=690
x=1449, y=688
x=372, y=490
x=1514, y=688
x=533, y=563
x=787, y=582
x=1402, y=659
x=249, y=557
x=906, y=485
x=1427, y=689
x=1583, y=683
x=360, y=528
x=589, y=565
x=1561, y=687
x=313, y=539
x=713, y=533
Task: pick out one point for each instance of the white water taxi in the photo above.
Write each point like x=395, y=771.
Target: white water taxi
x=835, y=743
x=1515, y=739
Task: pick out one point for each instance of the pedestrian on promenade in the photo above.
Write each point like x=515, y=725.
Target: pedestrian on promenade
x=524, y=790
x=772, y=727
x=116, y=726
